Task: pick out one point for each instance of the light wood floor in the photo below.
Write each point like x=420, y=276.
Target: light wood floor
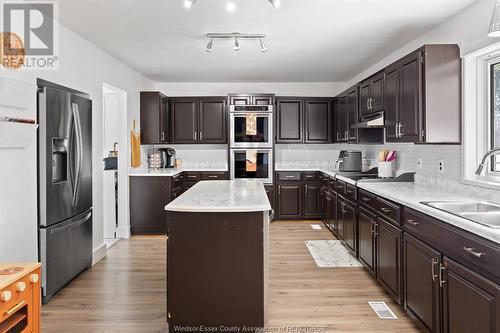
x=125, y=292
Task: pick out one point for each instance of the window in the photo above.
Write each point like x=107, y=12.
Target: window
x=495, y=114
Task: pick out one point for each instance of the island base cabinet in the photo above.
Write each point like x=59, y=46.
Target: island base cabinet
x=216, y=269
x=421, y=287
x=470, y=302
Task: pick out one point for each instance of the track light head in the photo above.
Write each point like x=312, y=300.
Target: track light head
x=208, y=48
x=236, y=45
x=263, y=46
x=189, y=3
x=275, y=3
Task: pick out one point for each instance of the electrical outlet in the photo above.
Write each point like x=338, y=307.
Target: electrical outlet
x=441, y=166
x=420, y=163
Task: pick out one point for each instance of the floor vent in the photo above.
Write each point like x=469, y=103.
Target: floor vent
x=382, y=310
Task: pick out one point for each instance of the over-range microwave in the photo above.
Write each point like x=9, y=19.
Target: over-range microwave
x=238, y=136
x=264, y=167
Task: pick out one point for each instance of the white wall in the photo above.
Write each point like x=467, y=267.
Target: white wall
x=83, y=67
x=310, y=89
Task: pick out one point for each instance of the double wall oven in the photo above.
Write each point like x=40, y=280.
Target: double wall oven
x=251, y=142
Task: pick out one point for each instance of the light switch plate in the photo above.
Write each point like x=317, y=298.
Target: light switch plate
x=420, y=163
x=440, y=166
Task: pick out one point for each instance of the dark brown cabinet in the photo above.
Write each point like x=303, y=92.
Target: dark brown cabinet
x=289, y=120
x=346, y=223
x=290, y=201
x=421, y=284
x=154, y=112
x=352, y=114
x=371, y=94
x=318, y=120
x=199, y=120
x=312, y=200
x=148, y=197
x=389, y=257
x=271, y=196
x=422, y=96
x=346, y=116
x=238, y=99
x=366, y=238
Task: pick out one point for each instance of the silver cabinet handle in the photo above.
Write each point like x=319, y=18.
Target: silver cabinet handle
x=396, y=130
x=473, y=251
x=201, y=136
x=365, y=199
x=195, y=136
x=434, y=275
x=400, y=130
x=413, y=222
x=368, y=104
x=441, y=270
x=289, y=176
x=385, y=210
x=213, y=176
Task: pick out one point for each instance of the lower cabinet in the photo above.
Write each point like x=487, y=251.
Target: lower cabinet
x=331, y=210
x=366, y=238
x=389, y=257
x=148, y=197
x=289, y=201
x=312, y=200
x=346, y=223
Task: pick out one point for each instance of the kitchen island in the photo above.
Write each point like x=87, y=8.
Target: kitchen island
x=217, y=250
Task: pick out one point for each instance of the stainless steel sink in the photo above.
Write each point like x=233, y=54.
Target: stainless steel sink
x=484, y=213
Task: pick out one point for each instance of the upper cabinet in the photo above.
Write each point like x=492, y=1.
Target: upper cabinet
x=346, y=115
x=303, y=120
x=154, y=112
x=239, y=99
x=371, y=94
x=198, y=120
x=422, y=96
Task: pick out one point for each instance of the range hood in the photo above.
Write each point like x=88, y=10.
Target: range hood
x=373, y=120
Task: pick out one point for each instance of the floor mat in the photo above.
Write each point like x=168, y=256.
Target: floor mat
x=331, y=253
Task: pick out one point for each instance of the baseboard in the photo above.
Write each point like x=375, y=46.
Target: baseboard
x=123, y=232
x=98, y=254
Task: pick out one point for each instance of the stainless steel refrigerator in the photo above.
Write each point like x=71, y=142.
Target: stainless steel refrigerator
x=64, y=185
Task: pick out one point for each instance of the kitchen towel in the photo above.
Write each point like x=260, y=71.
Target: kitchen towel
x=251, y=124
x=251, y=157
x=135, y=142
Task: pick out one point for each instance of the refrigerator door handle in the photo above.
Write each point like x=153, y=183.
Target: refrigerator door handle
x=66, y=227
x=79, y=152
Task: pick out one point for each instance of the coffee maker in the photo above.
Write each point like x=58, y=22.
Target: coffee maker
x=167, y=157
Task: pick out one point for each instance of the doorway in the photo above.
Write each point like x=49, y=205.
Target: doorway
x=114, y=106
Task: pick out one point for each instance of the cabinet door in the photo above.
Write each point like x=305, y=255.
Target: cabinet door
x=350, y=225
x=289, y=118
x=184, y=120
x=240, y=100
x=391, y=102
x=212, y=120
x=342, y=119
x=332, y=211
x=471, y=303
x=164, y=120
x=364, y=97
x=339, y=219
x=336, y=135
x=151, y=117
x=410, y=114
x=318, y=120
x=421, y=284
x=389, y=257
x=352, y=115
x=366, y=238
x=377, y=92
x=148, y=197
x=262, y=100
x=311, y=200
x=290, y=201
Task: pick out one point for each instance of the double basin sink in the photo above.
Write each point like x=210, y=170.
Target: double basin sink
x=484, y=213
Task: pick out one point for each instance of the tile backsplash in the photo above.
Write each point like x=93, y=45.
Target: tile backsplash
x=195, y=155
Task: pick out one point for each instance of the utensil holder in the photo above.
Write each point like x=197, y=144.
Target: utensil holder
x=386, y=169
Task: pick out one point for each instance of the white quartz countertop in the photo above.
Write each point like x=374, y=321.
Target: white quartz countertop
x=411, y=195
x=170, y=172
x=222, y=196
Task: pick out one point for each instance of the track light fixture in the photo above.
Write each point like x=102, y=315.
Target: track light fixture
x=231, y=4
x=236, y=37
x=208, y=48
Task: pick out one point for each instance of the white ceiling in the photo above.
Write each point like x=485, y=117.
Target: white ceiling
x=309, y=40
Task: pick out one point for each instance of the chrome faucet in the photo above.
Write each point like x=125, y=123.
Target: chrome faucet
x=485, y=158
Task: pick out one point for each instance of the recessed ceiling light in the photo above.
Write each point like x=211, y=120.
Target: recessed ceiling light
x=208, y=48
x=275, y=3
x=189, y=3
x=236, y=45
x=263, y=46
x=230, y=6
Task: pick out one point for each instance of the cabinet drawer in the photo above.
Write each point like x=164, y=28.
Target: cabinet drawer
x=389, y=210
x=290, y=175
x=332, y=183
x=341, y=187
x=192, y=176
x=310, y=176
x=177, y=180
x=475, y=250
x=214, y=175
x=366, y=198
x=350, y=192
